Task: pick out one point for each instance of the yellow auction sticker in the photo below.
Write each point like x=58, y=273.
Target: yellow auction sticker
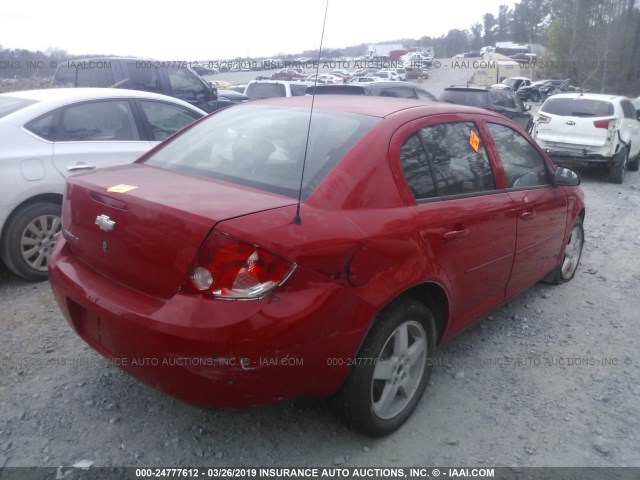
x=122, y=188
x=474, y=141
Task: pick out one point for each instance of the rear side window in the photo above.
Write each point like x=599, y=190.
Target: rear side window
x=577, y=107
x=99, y=76
x=523, y=165
x=165, y=119
x=446, y=159
x=65, y=76
x=628, y=110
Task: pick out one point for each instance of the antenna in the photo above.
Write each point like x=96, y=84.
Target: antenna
x=296, y=219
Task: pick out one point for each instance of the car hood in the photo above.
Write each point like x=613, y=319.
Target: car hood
x=142, y=226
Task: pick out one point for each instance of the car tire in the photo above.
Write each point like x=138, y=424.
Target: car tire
x=618, y=169
x=535, y=97
x=566, y=269
x=391, y=371
x=29, y=237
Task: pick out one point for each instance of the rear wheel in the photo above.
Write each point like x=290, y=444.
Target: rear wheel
x=566, y=270
x=30, y=235
x=619, y=168
x=391, y=371
x=535, y=96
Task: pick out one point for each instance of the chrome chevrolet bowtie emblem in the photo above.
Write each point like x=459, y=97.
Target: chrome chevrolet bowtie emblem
x=105, y=223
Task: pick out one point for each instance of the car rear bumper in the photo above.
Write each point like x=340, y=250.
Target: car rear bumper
x=216, y=353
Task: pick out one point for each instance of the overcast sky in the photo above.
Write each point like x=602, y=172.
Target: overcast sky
x=195, y=30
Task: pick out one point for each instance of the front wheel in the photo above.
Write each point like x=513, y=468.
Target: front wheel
x=30, y=235
x=391, y=371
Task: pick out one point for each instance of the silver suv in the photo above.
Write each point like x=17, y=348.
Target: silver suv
x=589, y=128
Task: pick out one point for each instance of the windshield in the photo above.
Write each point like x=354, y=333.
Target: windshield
x=264, y=146
x=12, y=104
x=510, y=82
x=577, y=107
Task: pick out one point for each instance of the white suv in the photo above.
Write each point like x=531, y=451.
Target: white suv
x=581, y=128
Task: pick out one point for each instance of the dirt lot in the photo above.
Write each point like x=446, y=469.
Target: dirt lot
x=550, y=379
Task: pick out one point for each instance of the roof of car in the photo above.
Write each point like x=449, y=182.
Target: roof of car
x=367, y=105
x=64, y=94
x=589, y=96
x=49, y=98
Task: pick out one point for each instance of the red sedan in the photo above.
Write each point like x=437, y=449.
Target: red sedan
x=268, y=253
x=289, y=74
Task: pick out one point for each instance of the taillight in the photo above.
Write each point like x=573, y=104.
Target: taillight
x=232, y=269
x=601, y=124
x=543, y=118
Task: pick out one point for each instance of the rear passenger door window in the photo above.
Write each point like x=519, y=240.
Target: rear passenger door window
x=523, y=165
x=398, y=92
x=456, y=158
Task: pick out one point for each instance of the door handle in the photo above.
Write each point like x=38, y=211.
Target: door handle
x=454, y=234
x=80, y=166
x=528, y=214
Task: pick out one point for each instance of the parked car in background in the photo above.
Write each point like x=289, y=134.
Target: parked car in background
x=514, y=83
x=48, y=135
x=324, y=78
x=259, y=89
x=537, y=90
x=385, y=75
x=503, y=101
x=590, y=129
x=289, y=74
x=400, y=72
x=344, y=74
x=379, y=89
x=340, y=291
x=168, y=78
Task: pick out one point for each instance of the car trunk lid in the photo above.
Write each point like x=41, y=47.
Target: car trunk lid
x=142, y=226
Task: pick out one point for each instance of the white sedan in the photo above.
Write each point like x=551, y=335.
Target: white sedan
x=324, y=78
x=47, y=135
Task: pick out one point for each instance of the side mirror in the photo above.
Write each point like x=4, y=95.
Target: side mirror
x=566, y=177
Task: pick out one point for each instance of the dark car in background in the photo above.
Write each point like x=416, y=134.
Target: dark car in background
x=503, y=101
x=379, y=89
x=173, y=79
x=538, y=90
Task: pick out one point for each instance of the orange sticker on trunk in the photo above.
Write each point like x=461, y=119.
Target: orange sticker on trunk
x=474, y=141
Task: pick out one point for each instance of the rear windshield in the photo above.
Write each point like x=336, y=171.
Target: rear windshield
x=577, y=107
x=12, y=104
x=474, y=98
x=264, y=146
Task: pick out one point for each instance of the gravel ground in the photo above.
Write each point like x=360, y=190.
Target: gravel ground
x=550, y=379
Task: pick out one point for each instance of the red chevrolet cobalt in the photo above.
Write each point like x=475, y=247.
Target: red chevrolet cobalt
x=273, y=251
